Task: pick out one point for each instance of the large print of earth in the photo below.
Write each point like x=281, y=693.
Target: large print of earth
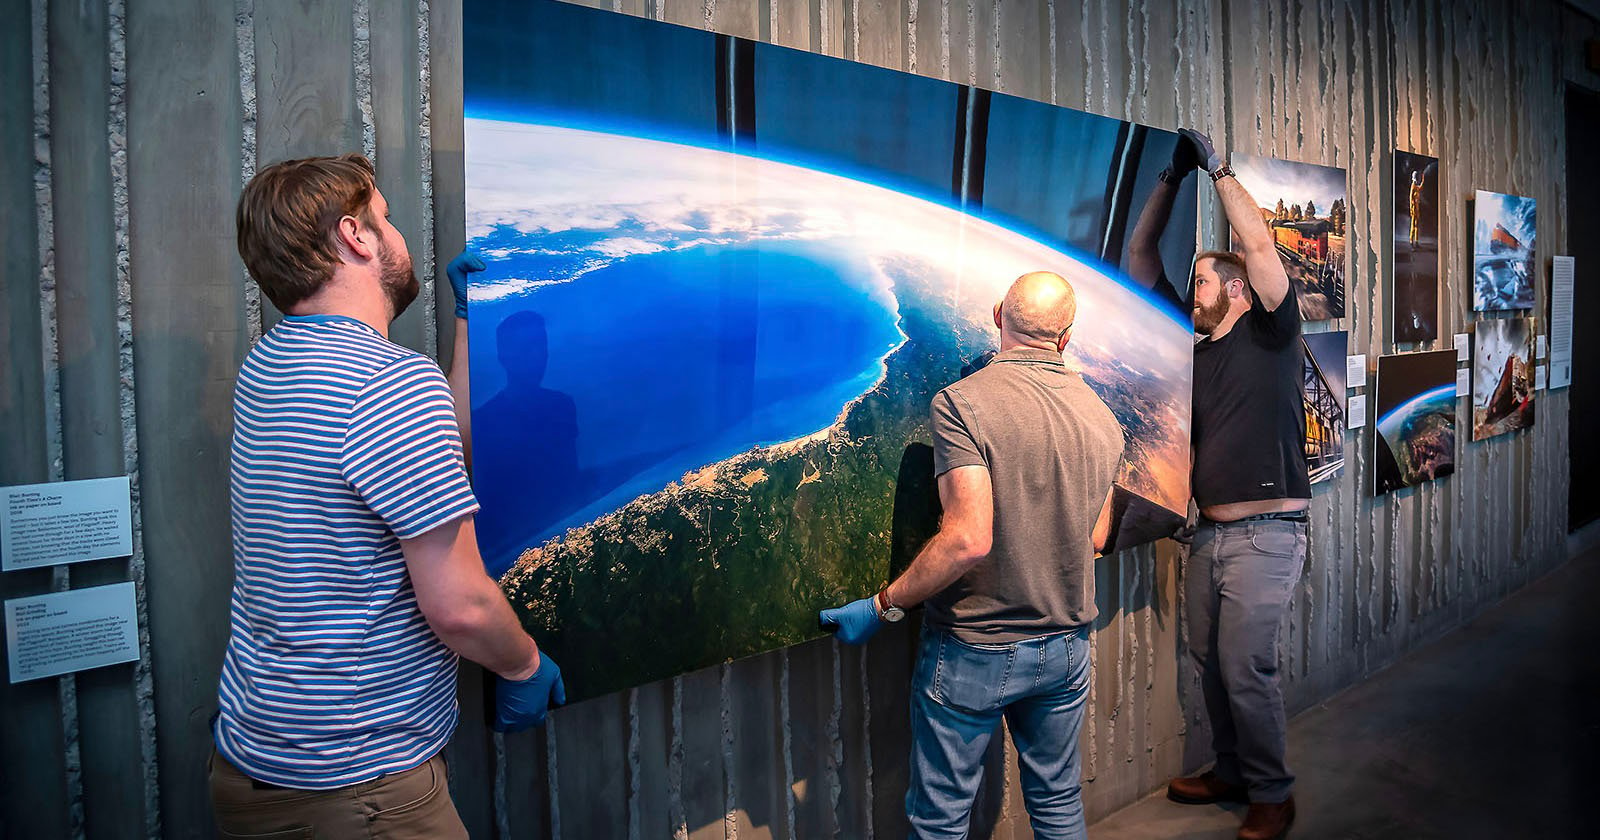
x=700, y=385
x=1418, y=440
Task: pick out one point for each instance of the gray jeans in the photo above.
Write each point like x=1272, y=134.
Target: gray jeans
x=1238, y=583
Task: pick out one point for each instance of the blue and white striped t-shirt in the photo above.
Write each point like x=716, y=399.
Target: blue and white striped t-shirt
x=343, y=445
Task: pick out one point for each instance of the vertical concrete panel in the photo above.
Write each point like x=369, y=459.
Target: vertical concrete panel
x=832, y=29
x=1163, y=72
x=695, y=13
x=523, y=796
x=742, y=19
x=22, y=447
x=88, y=308
x=958, y=30
x=928, y=31
x=188, y=340
x=760, y=791
x=704, y=765
x=884, y=24
x=1166, y=713
x=85, y=272
x=1069, y=46
x=791, y=24
x=305, y=86
x=984, y=40
x=446, y=143
x=651, y=791
x=396, y=113
x=887, y=676
x=815, y=739
x=35, y=803
x=591, y=783
x=852, y=703
x=1024, y=53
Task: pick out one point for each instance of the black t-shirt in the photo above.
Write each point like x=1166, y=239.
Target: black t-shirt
x=1249, y=414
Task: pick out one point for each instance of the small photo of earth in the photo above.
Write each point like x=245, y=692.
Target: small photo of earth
x=1416, y=420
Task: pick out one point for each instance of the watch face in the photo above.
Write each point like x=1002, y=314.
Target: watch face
x=893, y=614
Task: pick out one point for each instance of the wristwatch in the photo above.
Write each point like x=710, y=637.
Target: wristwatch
x=1223, y=171
x=1167, y=176
x=887, y=611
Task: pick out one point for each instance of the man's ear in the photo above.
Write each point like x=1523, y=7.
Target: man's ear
x=355, y=238
x=997, y=317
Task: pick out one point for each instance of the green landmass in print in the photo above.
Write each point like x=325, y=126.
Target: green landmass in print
x=736, y=558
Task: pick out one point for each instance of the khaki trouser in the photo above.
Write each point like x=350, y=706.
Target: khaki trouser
x=399, y=806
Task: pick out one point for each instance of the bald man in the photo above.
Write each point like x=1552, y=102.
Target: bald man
x=1025, y=454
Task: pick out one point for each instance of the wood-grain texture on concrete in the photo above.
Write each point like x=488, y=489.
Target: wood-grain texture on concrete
x=809, y=742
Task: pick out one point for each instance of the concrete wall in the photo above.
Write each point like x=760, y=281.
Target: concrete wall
x=126, y=313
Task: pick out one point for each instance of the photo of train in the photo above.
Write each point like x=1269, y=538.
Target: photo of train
x=1304, y=206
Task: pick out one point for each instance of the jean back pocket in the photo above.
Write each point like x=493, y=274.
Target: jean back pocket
x=972, y=677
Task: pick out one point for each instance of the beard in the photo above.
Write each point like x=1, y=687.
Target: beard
x=1208, y=317
x=399, y=281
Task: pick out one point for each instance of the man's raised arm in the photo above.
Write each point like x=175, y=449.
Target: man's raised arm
x=1268, y=280
x=464, y=264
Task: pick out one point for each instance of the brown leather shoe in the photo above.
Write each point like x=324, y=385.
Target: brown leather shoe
x=1205, y=789
x=1267, y=820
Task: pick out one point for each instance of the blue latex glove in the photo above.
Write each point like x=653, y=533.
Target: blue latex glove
x=854, y=623
x=1203, y=148
x=465, y=263
x=524, y=703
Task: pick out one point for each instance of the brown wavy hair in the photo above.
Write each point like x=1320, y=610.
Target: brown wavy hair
x=287, y=217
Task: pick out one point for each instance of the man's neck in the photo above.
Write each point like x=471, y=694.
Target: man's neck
x=348, y=299
x=1009, y=342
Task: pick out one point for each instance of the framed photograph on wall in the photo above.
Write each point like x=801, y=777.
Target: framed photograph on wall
x=1323, y=390
x=1502, y=376
x=1416, y=411
x=1504, y=267
x=1305, y=208
x=1416, y=247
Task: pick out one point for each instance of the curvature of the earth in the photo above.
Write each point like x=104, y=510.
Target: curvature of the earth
x=1420, y=437
x=736, y=555
x=588, y=199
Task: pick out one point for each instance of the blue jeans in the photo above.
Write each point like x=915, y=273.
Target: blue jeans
x=959, y=694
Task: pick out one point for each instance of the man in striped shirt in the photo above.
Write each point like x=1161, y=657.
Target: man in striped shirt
x=357, y=579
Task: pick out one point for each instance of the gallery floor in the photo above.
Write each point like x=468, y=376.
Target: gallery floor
x=1490, y=731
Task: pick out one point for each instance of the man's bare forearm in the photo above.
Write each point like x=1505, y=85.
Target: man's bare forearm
x=464, y=606
x=460, y=387
x=489, y=634
x=1244, y=217
x=1267, y=277
x=940, y=563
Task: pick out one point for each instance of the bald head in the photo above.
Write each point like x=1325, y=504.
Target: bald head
x=1039, y=308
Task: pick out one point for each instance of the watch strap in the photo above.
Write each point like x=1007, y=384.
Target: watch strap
x=1223, y=171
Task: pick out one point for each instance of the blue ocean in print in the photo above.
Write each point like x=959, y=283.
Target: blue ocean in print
x=666, y=362
x=725, y=281
x=651, y=309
